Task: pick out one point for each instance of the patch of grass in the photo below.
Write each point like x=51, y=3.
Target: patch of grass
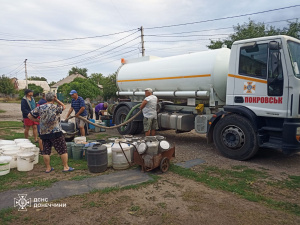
x=162, y=205
x=12, y=176
x=134, y=208
x=238, y=182
x=292, y=182
x=101, y=136
x=80, y=177
x=10, y=124
x=37, y=183
x=12, y=135
x=7, y=216
x=2, y=111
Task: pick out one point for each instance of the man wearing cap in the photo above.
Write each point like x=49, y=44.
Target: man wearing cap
x=149, y=111
x=28, y=104
x=78, y=105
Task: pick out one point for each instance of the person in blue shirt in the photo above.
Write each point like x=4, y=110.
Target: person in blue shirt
x=42, y=101
x=78, y=106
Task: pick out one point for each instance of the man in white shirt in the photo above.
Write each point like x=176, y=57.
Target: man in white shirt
x=149, y=110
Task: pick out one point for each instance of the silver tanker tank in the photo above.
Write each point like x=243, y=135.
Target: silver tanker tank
x=201, y=75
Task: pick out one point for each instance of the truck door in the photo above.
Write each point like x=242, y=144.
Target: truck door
x=260, y=83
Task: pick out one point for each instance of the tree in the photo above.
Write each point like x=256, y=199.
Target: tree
x=109, y=86
x=82, y=71
x=6, y=85
x=253, y=30
x=52, y=83
x=97, y=78
x=37, y=78
x=86, y=88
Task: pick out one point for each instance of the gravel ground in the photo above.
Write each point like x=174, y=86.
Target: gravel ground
x=191, y=145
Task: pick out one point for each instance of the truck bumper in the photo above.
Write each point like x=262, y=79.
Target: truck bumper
x=290, y=144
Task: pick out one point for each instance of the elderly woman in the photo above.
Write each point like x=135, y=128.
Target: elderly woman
x=51, y=132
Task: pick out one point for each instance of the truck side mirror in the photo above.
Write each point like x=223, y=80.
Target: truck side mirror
x=274, y=45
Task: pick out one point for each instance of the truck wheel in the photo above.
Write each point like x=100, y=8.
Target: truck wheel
x=235, y=137
x=140, y=128
x=129, y=128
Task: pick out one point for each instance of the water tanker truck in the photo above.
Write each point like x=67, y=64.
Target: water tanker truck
x=242, y=99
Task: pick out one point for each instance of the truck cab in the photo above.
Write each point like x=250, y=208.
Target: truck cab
x=263, y=84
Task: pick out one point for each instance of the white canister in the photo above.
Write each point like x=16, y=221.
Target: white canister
x=22, y=140
x=4, y=165
x=119, y=160
x=7, y=142
x=25, y=161
x=80, y=140
x=27, y=147
x=14, y=155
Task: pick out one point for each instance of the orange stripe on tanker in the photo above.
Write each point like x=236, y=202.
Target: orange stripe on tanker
x=166, y=78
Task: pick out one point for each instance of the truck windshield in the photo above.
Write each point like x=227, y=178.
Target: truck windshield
x=294, y=49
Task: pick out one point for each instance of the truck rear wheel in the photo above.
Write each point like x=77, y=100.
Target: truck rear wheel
x=129, y=128
x=235, y=137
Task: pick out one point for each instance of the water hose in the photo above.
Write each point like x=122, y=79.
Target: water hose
x=116, y=126
x=129, y=114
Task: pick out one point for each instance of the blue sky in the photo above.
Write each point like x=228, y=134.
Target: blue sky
x=65, y=19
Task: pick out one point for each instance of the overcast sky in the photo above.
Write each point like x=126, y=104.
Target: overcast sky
x=34, y=29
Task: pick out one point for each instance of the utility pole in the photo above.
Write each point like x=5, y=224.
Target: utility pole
x=142, y=40
x=26, y=74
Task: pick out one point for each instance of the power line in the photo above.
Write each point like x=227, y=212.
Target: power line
x=69, y=39
x=223, y=18
x=88, y=51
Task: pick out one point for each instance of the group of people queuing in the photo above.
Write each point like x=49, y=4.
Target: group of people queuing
x=44, y=118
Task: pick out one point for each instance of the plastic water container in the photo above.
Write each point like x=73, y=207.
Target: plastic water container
x=69, y=148
x=91, y=126
x=4, y=165
x=152, y=147
x=119, y=160
x=79, y=140
x=22, y=140
x=14, y=155
x=97, y=158
x=7, y=142
x=25, y=161
x=28, y=147
x=109, y=154
x=9, y=147
x=77, y=151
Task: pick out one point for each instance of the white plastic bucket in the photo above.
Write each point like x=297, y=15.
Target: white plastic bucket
x=7, y=142
x=119, y=160
x=22, y=140
x=14, y=155
x=25, y=161
x=27, y=147
x=4, y=165
x=80, y=140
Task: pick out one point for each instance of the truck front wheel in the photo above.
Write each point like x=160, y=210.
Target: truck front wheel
x=235, y=137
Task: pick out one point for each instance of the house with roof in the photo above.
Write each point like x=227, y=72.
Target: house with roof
x=66, y=80
x=21, y=84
